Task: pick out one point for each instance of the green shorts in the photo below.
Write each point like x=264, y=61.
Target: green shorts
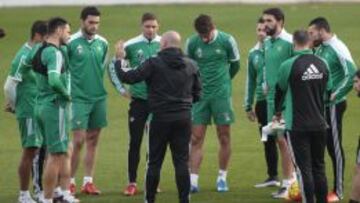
x=30, y=137
x=53, y=124
x=220, y=109
x=88, y=115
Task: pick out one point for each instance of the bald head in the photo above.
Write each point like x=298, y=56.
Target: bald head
x=170, y=39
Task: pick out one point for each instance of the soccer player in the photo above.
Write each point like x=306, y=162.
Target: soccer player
x=173, y=84
x=254, y=85
x=52, y=106
x=87, y=54
x=137, y=50
x=342, y=68
x=217, y=56
x=303, y=85
x=355, y=193
x=277, y=48
x=20, y=92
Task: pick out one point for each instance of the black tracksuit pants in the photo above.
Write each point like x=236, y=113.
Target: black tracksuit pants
x=138, y=115
x=308, y=149
x=176, y=134
x=334, y=145
x=270, y=148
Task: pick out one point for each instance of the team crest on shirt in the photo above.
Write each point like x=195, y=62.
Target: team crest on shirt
x=79, y=49
x=199, y=53
x=140, y=55
x=279, y=48
x=218, y=51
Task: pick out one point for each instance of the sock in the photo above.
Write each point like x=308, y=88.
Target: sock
x=87, y=179
x=72, y=180
x=48, y=201
x=222, y=175
x=25, y=193
x=294, y=176
x=66, y=193
x=194, y=179
x=287, y=182
x=58, y=192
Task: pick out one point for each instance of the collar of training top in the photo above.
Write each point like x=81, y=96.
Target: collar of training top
x=216, y=33
x=155, y=39
x=331, y=40
x=304, y=51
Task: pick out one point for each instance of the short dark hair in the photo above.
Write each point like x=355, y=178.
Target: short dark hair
x=203, y=24
x=357, y=73
x=276, y=12
x=301, y=37
x=39, y=27
x=148, y=16
x=89, y=11
x=260, y=20
x=321, y=23
x=55, y=23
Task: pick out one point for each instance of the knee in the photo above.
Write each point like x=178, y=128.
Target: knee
x=196, y=140
x=182, y=169
x=92, y=139
x=153, y=170
x=78, y=142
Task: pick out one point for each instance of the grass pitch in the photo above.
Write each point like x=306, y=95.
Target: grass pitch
x=122, y=22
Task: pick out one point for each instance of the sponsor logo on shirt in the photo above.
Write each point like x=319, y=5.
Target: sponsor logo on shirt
x=312, y=73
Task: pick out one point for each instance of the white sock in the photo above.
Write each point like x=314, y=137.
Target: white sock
x=25, y=193
x=48, y=201
x=222, y=175
x=72, y=180
x=87, y=179
x=66, y=193
x=287, y=182
x=294, y=176
x=58, y=192
x=194, y=179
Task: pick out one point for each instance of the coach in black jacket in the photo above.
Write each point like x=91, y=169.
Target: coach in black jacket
x=173, y=85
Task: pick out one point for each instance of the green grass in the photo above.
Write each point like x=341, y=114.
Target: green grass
x=122, y=22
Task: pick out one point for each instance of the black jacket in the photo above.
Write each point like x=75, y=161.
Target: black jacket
x=172, y=80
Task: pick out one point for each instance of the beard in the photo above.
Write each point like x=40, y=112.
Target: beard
x=89, y=32
x=317, y=43
x=270, y=31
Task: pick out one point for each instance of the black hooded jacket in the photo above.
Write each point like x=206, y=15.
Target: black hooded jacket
x=173, y=83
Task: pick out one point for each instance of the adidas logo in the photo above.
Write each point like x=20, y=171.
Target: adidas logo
x=312, y=73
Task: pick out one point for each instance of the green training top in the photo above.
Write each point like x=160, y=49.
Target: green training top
x=87, y=66
x=55, y=61
x=137, y=50
x=255, y=77
x=277, y=50
x=213, y=60
x=341, y=64
x=26, y=89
